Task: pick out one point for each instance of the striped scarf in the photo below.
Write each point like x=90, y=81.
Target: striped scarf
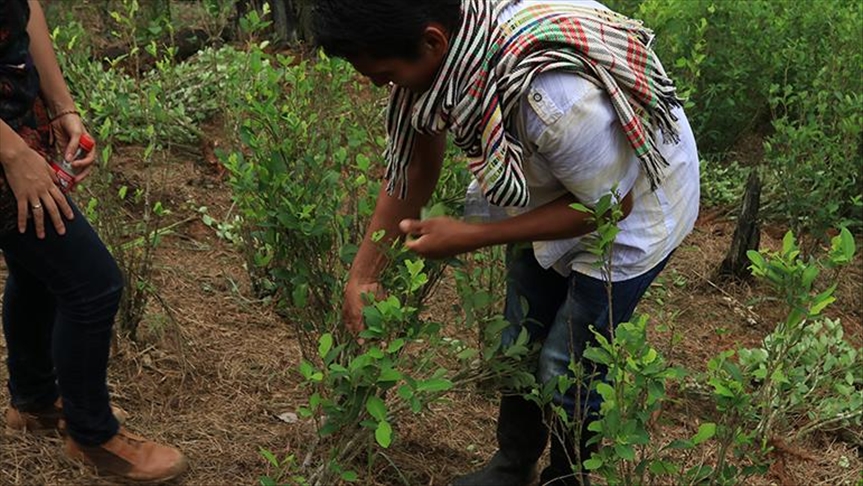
x=490, y=66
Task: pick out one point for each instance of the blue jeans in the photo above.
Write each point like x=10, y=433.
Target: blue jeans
x=558, y=312
x=61, y=296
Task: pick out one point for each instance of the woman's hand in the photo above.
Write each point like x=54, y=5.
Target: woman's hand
x=68, y=130
x=34, y=185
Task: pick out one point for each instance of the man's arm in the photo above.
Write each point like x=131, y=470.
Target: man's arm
x=444, y=237
x=553, y=221
x=423, y=173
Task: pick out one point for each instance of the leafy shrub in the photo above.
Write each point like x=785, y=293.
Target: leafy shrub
x=121, y=108
x=805, y=361
x=748, y=47
x=174, y=97
x=781, y=69
x=722, y=184
x=305, y=189
x=803, y=377
x=814, y=157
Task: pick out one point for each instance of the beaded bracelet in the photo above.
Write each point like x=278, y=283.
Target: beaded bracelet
x=64, y=113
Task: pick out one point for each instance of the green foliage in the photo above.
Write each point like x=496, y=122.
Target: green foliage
x=814, y=156
x=722, y=184
x=785, y=70
x=805, y=360
x=305, y=187
x=801, y=365
x=121, y=108
x=804, y=377
x=283, y=471
x=173, y=98
x=302, y=213
x=604, y=216
x=749, y=46
x=638, y=377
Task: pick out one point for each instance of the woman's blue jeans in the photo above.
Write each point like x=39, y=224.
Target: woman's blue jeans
x=61, y=296
x=559, y=311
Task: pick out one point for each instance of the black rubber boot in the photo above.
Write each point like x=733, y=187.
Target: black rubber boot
x=563, y=456
x=521, y=437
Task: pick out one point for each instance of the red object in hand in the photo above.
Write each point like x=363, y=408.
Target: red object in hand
x=63, y=168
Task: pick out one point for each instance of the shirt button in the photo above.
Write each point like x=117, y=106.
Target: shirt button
x=537, y=97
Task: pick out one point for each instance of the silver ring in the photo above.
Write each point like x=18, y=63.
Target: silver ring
x=37, y=206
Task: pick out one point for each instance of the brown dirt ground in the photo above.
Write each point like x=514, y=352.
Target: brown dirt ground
x=215, y=366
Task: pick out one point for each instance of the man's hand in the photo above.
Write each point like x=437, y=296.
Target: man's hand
x=352, y=308
x=441, y=237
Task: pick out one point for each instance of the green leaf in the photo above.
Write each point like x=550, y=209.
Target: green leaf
x=269, y=456
x=306, y=369
x=756, y=259
x=325, y=345
x=435, y=211
x=789, y=244
x=680, y=444
x=384, y=434
x=624, y=451
x=363, y=162
x=350, y=476
x=651, y=356
x=822, y=300
x=592, y=464
x=720, y=389
x=395, y=346
x=598, y=355
x=664, y=467
x=389, y=375
x=405, y=392
x=809, y=276
x=706, y=431
x=844, y=246
x=606, y=390
x=581, y=208
x=376, y=408
x=414, y=267
x=778, y=376
x=434, y=385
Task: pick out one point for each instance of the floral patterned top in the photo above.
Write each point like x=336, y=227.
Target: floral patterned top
x=20, y=105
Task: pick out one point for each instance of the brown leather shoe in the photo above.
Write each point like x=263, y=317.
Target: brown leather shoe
x=47, y=421
x=131, y=457
x=38, y=423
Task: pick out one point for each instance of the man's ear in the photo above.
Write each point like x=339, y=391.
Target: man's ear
x=435, y=40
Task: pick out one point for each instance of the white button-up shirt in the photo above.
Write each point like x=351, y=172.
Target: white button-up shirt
x=574, y=142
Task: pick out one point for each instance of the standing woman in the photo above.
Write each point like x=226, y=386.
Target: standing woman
x=63, y=287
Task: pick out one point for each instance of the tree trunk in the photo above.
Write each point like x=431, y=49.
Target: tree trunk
x=288, y=17
x=747, y=235
x=284, y=22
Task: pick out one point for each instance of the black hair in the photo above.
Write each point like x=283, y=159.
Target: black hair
x=379, y=29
